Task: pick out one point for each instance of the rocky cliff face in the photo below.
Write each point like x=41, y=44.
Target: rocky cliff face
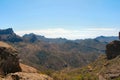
x=113, y=49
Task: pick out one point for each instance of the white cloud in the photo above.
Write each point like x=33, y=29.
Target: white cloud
x=73, y=34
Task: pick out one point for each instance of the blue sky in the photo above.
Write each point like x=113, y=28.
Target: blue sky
x=72, y=19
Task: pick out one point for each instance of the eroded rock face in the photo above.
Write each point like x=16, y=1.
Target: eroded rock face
x=113, y=49
x=9, y=61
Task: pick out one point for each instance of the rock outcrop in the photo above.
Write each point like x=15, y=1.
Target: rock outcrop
x=9, y=61
x=113, y=49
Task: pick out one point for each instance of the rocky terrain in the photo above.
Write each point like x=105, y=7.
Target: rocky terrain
x=12, y=69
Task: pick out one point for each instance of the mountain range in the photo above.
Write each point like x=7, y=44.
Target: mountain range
x=59, y=57
x=53, y=54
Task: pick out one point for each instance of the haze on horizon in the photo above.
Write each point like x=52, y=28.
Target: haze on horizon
x=71, y=19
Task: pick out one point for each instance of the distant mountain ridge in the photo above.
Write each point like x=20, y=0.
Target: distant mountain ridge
x=34, y=37
x=107, y=38
x=9, y=35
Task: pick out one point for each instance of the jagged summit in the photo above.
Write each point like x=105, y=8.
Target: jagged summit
x=8, y=35
x=6, y=31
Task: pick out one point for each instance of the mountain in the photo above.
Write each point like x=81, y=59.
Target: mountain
x=12, y=69
x=55, y=54
x=58, y=56
x=34, y=37
x=107, y=38
x=8, y=35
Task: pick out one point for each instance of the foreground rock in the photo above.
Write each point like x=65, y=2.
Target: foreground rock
x=113, y=49
x=11, y=69
x=28, y=73
x=9, y=61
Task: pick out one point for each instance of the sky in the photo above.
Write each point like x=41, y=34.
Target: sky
x=71, y=19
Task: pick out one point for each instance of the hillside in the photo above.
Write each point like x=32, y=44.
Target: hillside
x=57, y=56
x=106, y=67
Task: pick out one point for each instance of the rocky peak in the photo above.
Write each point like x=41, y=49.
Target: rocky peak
x=6, y=31
x=32, y=37
x=8, y=35
x=113, y=49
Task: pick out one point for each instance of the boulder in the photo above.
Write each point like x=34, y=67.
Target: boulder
x=113, y=49
x=9, y=61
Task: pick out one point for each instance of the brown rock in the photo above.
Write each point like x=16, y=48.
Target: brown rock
x=9, y=62
x=28, y=69
x=26, y=76
x=113, y=49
